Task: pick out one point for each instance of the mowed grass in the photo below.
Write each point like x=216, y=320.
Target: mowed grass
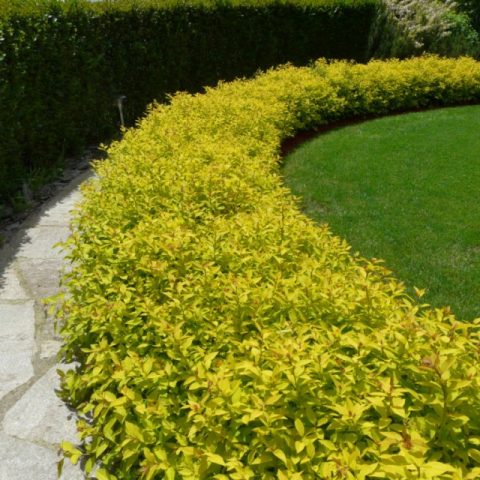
x=405, y=189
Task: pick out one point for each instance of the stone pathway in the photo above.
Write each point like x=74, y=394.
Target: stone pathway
x=32, y=419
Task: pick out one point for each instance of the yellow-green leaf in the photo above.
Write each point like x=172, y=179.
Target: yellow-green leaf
x=134, y=431
x=299, y=427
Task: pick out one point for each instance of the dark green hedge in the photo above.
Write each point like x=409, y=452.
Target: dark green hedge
x=472, y=7
x=63, y=63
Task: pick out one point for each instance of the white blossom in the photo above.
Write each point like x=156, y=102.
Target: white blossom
x=409, y=27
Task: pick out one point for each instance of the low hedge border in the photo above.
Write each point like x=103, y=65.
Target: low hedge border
x=220, y=334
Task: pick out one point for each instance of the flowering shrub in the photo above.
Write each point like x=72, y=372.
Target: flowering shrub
x=411, y=27
x=220, y=334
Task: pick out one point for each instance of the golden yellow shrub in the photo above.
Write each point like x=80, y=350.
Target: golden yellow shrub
x=220, y=334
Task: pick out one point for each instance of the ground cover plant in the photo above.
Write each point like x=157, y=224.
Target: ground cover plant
x=402, y=189
x=221, y=334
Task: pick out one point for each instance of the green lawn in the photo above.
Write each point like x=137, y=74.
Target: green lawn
x=405, y=189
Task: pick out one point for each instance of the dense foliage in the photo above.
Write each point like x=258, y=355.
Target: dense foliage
x=472, y=8
x=63, y=63
x=220, y=334
x=404, y=28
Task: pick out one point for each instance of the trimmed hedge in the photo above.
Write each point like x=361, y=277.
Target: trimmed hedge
x=472, y=7
x=62, y=63
x=220, y=334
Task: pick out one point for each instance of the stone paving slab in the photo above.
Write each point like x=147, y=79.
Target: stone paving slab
x=40, y=276
x=10, y=287
x=15, y=369
x=49, y=348
x=59, y=214
x=17, y=345
x=40, y=424
x=40, y=242
x=26, y=461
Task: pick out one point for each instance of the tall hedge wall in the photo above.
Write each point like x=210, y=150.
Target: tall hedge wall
x=220, y=334
x=62, y=64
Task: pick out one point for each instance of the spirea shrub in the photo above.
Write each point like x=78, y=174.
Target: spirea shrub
x=221, y=334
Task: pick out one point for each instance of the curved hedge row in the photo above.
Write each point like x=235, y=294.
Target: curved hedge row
x=220, y=334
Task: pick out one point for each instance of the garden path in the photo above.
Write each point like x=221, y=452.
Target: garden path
x=33, y=420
